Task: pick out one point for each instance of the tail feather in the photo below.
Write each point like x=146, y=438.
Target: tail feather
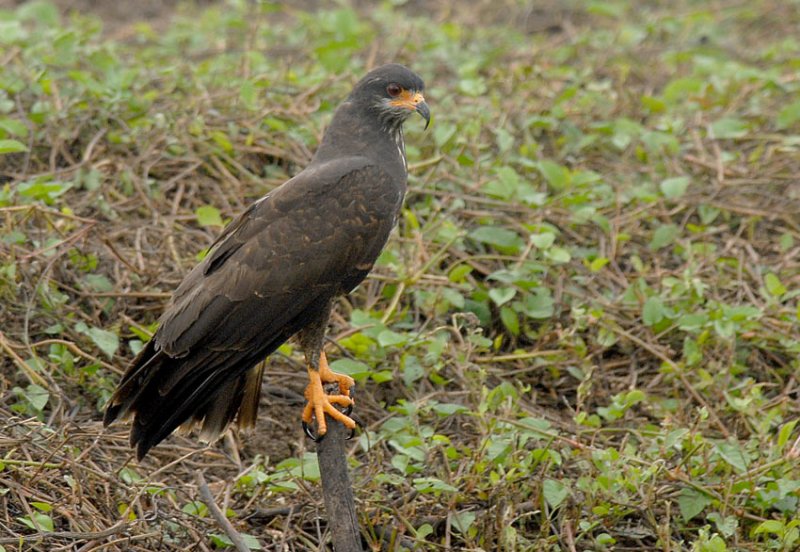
x=252, y=395
x=138, y=376
x=215, y=389
x=158, y=415
x=238, y=401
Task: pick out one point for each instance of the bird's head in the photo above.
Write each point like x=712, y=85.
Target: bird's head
x=393, y=92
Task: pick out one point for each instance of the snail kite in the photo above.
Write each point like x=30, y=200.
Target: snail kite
x=274, y=272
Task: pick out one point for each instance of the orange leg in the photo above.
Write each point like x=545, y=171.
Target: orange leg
x=320, y=404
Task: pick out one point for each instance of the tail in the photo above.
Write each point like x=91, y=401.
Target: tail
x=208, y=389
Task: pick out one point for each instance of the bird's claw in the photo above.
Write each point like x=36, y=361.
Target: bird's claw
x=353, y=429
x=310, y=434
x=318, y=438
x=349, y=408
x=321, y=404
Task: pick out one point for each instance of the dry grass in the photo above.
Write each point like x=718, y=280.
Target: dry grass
x=130, y=217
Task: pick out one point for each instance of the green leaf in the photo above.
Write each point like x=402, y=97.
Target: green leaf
x=501, y=238
x=598, y=264
x=606, y=9
x=249, y=95
x=557, y=176
x=222, y=140
x=353, y=368
x=129, y=476
x=729, y=127
x=539, y=305
x=501, y=296
x=653, y=104
x=510, y=320
x=382, y=376
x=634, y=396
x=36, y=396
x=789, y=115
x=707, y=213
x=276, y=124
x=38, y=522
x=677, y=90
x=653, y=311
x=12, y=146
x=251, y=542
x=388, y=338
x=208, y=215
x=558, y=255
x=673, y=188
x=43, y=189
x=785, y=433
x=774, y=285
x=459, y=273
x=462, y=521
x=536, y=424
x=714, y=544
x=786, y=242
x=502, y=188
x=734, y=455
x=544, y=240
x=664, y=235
x=195, y=508
x=606, y=540
x=42, y=506
x=106, y=341
x=219, y=540
x=448, y=409
x=691, y=502
x=726, y=525
x=14, y=127
x=98, y=282
x=44, y=13
x=773, y=526
x=433, y=485
x=554, y=492
x=222, y=541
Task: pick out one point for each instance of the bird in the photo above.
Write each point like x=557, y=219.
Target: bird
x=274, y=273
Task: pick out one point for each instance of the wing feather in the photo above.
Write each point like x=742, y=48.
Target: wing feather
x=271, y=270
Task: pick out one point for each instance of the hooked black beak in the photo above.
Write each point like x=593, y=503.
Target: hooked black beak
x=413, y=101
x=423, y=109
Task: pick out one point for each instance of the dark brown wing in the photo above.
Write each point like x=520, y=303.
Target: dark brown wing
x=273, y=269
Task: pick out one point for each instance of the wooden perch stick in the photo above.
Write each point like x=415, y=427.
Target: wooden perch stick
x=336, y=487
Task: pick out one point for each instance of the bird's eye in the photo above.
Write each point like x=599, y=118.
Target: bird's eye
x=394, y=89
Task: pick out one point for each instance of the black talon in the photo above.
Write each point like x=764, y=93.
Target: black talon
x=310, y=434
x=349, y=409
x=359, y=425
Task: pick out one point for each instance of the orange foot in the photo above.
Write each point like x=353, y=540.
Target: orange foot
x=320, y=404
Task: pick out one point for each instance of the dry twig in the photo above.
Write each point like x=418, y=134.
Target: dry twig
x=224, y=523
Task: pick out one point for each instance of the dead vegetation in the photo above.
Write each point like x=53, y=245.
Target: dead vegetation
x=611, y=364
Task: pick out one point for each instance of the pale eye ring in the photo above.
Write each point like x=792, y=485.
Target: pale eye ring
x=394, y=89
